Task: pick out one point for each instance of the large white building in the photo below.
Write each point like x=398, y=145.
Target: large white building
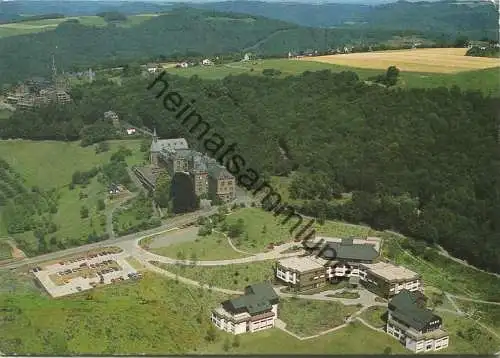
x=415, y=326
x=256, y=310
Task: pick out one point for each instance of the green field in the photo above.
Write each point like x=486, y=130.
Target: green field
x=233, y=277
x=5, y=251
x=446, y=274
x=50, y=164
x=210, y=247
x=306, y=318
x=482, y=80
x=153, y=315
x=375, y=316
x=263, y=228
x=487, y=314
x=28, y=27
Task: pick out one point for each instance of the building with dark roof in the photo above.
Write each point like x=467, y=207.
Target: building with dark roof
x=256, y=310
x=416, y=327
x=334, y=260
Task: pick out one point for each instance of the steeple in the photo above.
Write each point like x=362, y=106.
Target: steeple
x=155, y=137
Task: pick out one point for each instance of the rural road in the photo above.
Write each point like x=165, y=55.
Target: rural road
x=174, y=222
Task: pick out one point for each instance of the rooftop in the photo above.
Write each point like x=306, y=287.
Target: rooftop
x=175, y=143
x=300, y=264
x=348, y=249
x=258, y=298
x=405, y=307
x=391, y=272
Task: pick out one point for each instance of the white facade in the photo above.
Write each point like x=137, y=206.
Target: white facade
x=243, y=322
x=287, y=276
x=412, y=286
x=414, y=340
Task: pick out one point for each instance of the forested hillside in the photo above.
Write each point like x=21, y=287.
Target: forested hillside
x=437, y=16
x=178, y=32
x=423, y=162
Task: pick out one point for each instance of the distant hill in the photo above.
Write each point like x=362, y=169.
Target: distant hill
x=476, y=20
x=181, y=31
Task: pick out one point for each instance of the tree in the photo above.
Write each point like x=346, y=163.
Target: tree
x=102, y=147
x=236, y=341
x=84, y=212
x=101, y=205
x=388, y=351
x=227, y=344
x=211, y=334
x=194, y=258
x=163, y=190
x=391, y=76
x=235, y=230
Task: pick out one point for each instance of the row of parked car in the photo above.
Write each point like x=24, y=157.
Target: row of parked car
x=82, y=258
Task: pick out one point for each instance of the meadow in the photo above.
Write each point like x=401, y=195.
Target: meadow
x=50, y=164
x=29, y=27
x=438, y=60
x=232, y=277
x=444, y=273
x=485, y=80
x=211, y=247
x=306, y=318
x=262, y=228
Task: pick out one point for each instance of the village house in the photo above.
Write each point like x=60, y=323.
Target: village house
x=415, y=326
x=207, y=62
x=254, y=311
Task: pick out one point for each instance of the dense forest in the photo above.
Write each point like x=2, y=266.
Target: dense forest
x=424, y=162
x=440, y=16
x=186, y=30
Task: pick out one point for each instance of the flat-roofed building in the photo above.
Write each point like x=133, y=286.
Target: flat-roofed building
x=388, y=280
x=416, y=327
x=301, y=273
x=254, y=311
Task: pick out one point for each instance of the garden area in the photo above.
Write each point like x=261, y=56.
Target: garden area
x=232, y=277
x=213, y=246
x=306, y=318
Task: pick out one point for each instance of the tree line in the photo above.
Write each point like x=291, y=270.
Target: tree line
x=420, y=161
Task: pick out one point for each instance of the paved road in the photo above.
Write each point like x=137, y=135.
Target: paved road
x=174, y=222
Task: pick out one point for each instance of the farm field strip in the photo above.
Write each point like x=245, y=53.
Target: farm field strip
x=439, y=60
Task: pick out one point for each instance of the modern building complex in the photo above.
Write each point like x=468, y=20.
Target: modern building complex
x=256, y=310
x=339, y=259
x=415, y=326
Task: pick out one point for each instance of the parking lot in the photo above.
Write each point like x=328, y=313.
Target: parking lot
x=84, y=272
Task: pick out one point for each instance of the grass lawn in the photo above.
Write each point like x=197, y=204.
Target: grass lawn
x=448, y=275
x=263, y=228
x=5, y=251
x=375, y=316
x=71, y=227
x=486, y=313
x=28, y=27
x=211, y=247
x=353, y=339
x=152, y=316
x=232, y=277
x=483, y=343
x=306, y=318
x=50, y=164
x=482, y=80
